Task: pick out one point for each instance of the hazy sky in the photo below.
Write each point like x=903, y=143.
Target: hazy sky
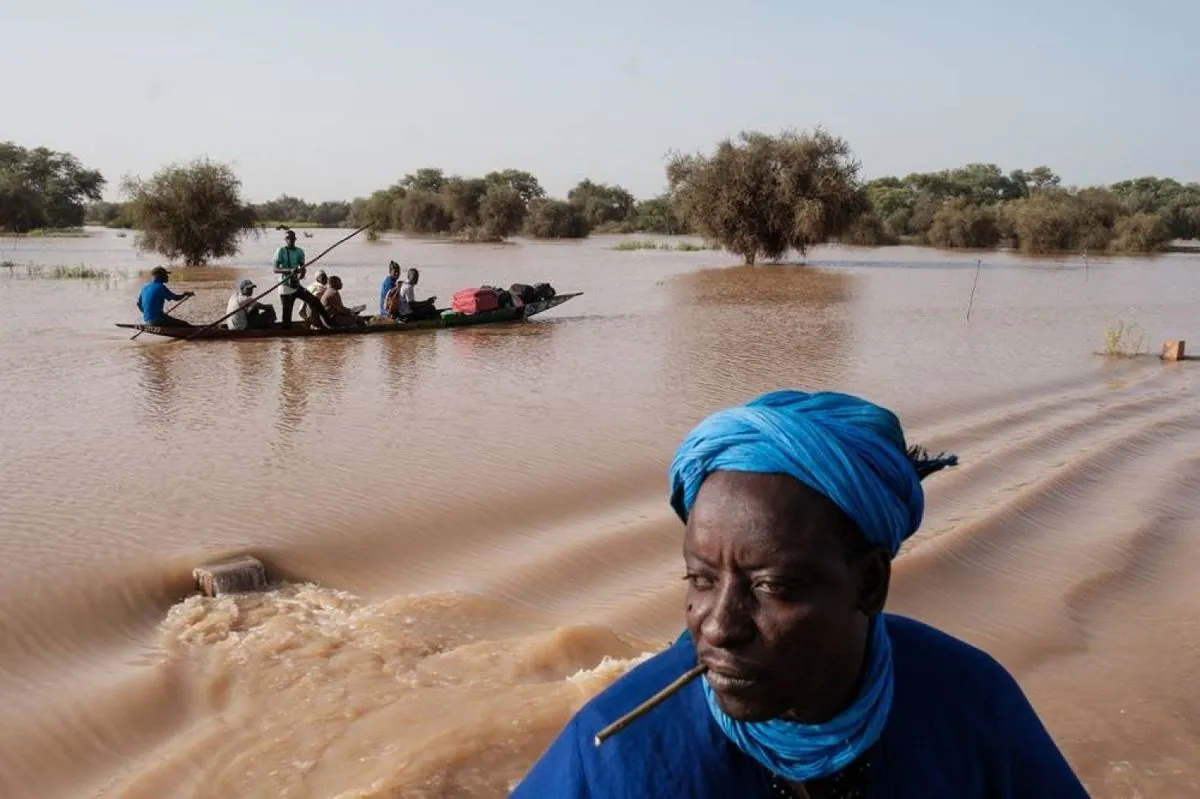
x=332, y=99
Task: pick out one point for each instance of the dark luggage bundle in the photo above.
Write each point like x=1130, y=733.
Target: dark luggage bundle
x=503, y=297
x=524, y=295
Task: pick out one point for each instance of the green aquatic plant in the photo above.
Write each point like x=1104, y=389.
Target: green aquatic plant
x=63, y=272
x=1123, y=339
x=80, y=272
x=632, y=245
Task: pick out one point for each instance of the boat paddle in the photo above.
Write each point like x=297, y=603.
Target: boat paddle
x=277, y=285
x=169, y=310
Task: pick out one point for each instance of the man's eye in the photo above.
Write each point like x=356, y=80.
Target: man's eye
x=700, y=582
x=775, y=588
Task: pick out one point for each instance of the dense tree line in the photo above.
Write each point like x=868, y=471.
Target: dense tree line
x=494, y=207
x=505, y=203
x=294, y=211
x=757, y=195
x=979, y=206
x=42, y=188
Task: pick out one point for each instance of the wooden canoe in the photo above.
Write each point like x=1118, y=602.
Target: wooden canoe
x=367, y=324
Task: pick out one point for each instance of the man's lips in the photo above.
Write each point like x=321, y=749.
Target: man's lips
x=730, y=677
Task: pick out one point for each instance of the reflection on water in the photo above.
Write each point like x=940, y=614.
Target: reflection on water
x=157, y=389
x=742, y=330
x=404, y=360
x=485, y=508
x=518, y=344
x=296, y=379
x=254, y=363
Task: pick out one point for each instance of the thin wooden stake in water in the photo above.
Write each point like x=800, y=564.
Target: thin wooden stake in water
x=277, y=285
x=169, y=310
x=978, y=263
x=1085, y=266
x=644, y=707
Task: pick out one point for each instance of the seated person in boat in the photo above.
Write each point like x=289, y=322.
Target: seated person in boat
x=154, y=296
x=794, y=507
x=248, y=313
x=401, y=302
x=388, y=287
x=316, y=288
x=337, y=310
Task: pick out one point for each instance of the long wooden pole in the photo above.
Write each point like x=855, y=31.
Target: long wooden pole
x=974, y=283
x=277, y=285
x=644, y=707
x=169, y=310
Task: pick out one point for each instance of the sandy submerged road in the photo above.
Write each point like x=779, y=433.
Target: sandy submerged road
x=484, y=512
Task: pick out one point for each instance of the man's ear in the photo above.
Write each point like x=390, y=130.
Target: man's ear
x=874, y=572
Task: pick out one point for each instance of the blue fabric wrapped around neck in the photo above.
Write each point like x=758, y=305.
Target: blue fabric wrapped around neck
x=853, y=452
x=803, y=752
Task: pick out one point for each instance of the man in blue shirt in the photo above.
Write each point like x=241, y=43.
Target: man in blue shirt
x=154, y=296
x=794, y=506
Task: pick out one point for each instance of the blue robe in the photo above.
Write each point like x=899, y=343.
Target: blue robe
x=960, y=728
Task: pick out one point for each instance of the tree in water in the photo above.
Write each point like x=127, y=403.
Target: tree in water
x=523, y=183
x=764, y=195
x=656, y=215
x=602, y=204
x=959, y=223
x=502, y=212
x=192, y=211
x=556, y=219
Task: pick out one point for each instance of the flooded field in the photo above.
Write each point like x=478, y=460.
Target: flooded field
x=472, y=525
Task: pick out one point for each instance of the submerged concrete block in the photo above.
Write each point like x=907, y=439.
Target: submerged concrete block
x=1172, y=350
x=235, y=575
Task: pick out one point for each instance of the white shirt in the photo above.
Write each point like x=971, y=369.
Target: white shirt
x=406, y=296
x=238, y=302
x=316, y=289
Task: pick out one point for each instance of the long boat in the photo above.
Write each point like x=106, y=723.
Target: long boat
x=366, y=324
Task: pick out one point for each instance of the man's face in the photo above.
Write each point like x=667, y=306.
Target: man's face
x=772, y=600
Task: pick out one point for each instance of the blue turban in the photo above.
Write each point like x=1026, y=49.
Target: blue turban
x=854, y=453
x=850, y=450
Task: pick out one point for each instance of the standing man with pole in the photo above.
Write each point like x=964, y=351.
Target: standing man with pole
x=289, y=262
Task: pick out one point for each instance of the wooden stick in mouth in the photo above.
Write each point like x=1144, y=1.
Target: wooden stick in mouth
x=644, y=707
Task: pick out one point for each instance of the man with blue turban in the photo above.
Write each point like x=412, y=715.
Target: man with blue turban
x=795, y=505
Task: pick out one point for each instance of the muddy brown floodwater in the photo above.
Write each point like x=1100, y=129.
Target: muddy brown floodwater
x=473, y=525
